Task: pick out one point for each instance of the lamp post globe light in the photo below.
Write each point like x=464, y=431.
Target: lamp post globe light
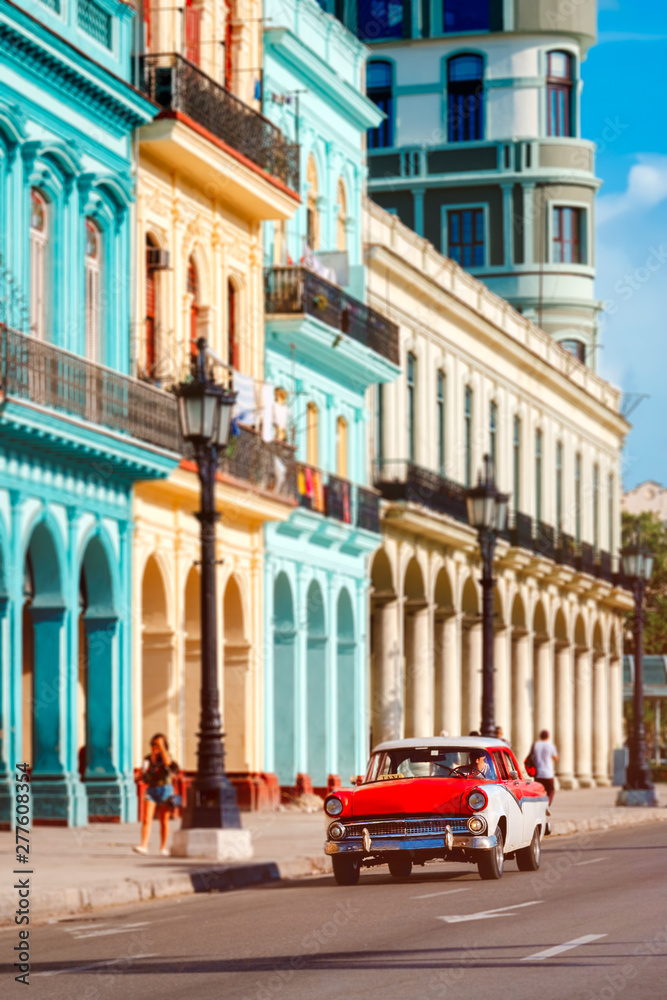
x=211, y=820
x=487, y=513
x=638, y=790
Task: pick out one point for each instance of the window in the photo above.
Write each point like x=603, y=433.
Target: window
x=194, y=310
x=464, y=15
x=379, y=88
x=411, y=376
x=440, y=405
x=559, y=485
x=228, y=46
x=151, y=311
x=465, y=98
x=40, y=263
x=577, y=499
x=493, y=434
x=192, y=29
x=559, y=94
x=467, y=419
x=312, y=213
x=379, y=422
x=596, y=507
x=341, y=220
x=232, y=341
x=465, y=237
x=516, y=456
x=567, y=235
x=311, y=434
x=380, y=19
x=341, y=447
x=93, y=268
x=538, y=476
x=575, y=347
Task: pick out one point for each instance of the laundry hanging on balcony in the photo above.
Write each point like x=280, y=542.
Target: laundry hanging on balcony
x=245, y=408
x=267, y=415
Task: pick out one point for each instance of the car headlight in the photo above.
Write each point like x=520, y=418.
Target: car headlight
x=477, y=799
x=337, y=831
x=333, y=806
x=476, y=824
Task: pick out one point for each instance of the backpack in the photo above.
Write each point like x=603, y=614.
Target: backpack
x=530, y=763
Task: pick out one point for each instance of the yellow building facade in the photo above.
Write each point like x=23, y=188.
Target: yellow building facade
x=211, y=170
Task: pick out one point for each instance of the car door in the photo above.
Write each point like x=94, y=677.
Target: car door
x=515, y=823
x=525, y=793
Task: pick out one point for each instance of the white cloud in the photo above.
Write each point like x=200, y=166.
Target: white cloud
x=646, y=188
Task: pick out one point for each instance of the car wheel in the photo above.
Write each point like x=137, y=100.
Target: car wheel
x=528, y=858
x=490, y=864
x=346, y=869
x=400, y=867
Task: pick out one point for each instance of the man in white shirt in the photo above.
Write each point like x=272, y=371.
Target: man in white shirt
x=545, y=754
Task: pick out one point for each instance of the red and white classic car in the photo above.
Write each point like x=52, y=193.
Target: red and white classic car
x=461, y=799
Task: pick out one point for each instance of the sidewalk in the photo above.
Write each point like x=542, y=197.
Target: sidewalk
x=79, y=869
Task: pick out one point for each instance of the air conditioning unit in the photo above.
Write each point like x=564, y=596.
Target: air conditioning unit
x=157, y=259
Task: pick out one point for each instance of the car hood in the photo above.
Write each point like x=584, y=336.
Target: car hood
x=411, y=795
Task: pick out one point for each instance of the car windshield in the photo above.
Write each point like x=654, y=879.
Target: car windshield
x=430, y=762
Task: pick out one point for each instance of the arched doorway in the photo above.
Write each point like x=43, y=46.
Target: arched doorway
x=192, y=692
x=157, y=658
x=346, y=685
x=284, y=681
x=236, y=700
x=317, y=701
x=417, y=678
x=471, y=656
x=385, y=705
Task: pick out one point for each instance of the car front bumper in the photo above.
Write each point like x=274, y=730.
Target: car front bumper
x=385, y=845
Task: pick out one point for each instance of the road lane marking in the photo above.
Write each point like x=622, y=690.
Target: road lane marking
x=560, y=948
x=593, y=861
x=489, y=914
x=124, y=929
x=94, y=965
x=444, y=892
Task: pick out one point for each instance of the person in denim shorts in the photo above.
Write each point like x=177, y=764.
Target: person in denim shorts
x=157, y=773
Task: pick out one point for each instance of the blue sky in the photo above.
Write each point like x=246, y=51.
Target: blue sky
x=624, y=111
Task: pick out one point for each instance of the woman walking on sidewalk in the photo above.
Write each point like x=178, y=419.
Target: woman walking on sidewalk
x=157, y=772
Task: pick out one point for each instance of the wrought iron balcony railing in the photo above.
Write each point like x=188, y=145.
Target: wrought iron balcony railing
x=267, y=465
x=397, y=479
x=339, y=499
x=586, y=558
x=368, y=510
x=565, y=553
x=178, y=85
x=544, y=541
x=604, y=567
x=50, y=376
x=521, y=530
x=298, y=290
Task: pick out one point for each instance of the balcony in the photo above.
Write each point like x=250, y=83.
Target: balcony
x=49, y=376
x=585, y=560
x=263, y=465
x=212, y=115
x=604, y=570
x=338, y=498
x=521, y=530
x=298, y=291
x=397, y=479
x=368, y=510
x=565, y=553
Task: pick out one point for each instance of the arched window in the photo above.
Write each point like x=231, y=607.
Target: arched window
x=516, y=461
x=493, y=435
x=441, y=385
x=232, y=340
x=575, y=347
x=559, y=486
x=151, y=311
x=193, y=292
x=559, y=94
x=538, y=475
x=341, y=221
x=311, y=434
x=465, y=98
x=577, y=499
x=462, y=15
x=312, y=213
x=341, y=447
x=379, y=88
x=467, y=420
x=411, y=385
x=378, y=19
x=40, y=263
x=93, y=297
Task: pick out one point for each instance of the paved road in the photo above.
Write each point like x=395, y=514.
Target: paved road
x=590, y=925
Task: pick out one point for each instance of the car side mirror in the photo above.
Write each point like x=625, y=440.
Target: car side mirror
x=514, y=775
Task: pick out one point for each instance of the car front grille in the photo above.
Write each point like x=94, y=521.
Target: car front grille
x=407, y=827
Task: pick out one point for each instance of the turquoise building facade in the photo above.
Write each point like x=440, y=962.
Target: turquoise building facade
x=324, y=348
x=76, y=430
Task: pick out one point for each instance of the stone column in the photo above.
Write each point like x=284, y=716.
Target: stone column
x=103, y=784
x=387, y=693
x=615, y=703
x=601, y=754
x=447, y=664
x=471, y=670
x=543, y=658
x=503, y=678
x=564, y=721
x=418, y=675
x=583, y=717
x=522, y=722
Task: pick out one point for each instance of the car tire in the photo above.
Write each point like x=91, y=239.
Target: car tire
x=528, y=858
x=346, y=869
x=400, y=867
x=490, y=864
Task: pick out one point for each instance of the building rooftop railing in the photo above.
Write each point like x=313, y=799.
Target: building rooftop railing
x=178, y=85
x=297, y=290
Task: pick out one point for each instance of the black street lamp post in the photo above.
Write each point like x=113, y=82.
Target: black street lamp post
x=487, y=513
x=205, y=411
x=637, y=564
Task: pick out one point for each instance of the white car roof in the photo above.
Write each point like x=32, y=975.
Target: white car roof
x=445, y=742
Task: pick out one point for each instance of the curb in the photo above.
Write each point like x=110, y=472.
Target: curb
x=68, y=902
